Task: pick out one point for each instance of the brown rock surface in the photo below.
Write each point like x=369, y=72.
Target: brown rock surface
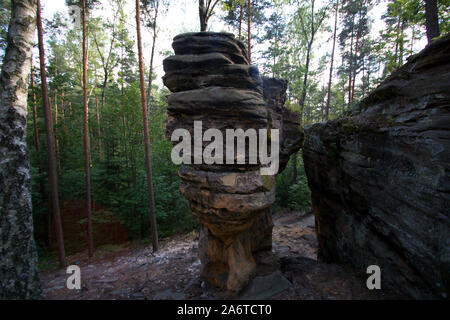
x=212, y=82
x=135, y=272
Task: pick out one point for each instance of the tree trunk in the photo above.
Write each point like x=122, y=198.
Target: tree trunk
x=241, y=14
x=432, y=21
x=122, y=107
x=98, y=126
x=86, y=136
x=305, y=81
x=19, y=278
x=153, y=229
x=327, y=110
x=35, y=128
x=397, y=40
x=294, y=167
x=350, y=66
x=52, y=172
x=105, y=83
x=355, y=57
x=202, y=14
x=402, y=44
x=249, y=33
x=152, y=56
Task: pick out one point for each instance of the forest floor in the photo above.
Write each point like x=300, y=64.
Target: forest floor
x=290, y=272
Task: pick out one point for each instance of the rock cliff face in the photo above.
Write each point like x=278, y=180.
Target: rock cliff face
x=211, y=81
x=380, y=179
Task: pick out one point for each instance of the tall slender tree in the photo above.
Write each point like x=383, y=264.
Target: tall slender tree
x=35, y=128
x=309, y=30
x=19, y=277
x=107, y=58
x=336, y=17
x=86, y=133
x=51, y=154
x=152, y=10
x=309, y=21
x=432, y=20
x=241, y=15
x=148, y=164
x=249, y=30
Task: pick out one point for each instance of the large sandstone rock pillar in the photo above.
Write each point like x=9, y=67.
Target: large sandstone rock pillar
x=211, y=81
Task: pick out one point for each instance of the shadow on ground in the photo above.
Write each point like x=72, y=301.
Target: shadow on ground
x=290, y=272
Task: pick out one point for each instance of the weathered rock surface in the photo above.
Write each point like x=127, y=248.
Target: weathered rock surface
x=211, y=81
x=265, y=287
x=287, y=121
x=380, y=179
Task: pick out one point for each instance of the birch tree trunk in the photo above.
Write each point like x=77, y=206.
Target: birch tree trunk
x=19, y=278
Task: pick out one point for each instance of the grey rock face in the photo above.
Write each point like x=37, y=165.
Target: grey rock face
x=380, y=178
x=169, y=295
x=266, y=287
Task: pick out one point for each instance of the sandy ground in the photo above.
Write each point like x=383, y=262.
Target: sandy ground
x=134, y=272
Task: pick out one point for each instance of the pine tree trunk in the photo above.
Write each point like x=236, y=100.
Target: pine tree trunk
x=86, y=136
x=35, y=128
x=19, y=278
x=355, y=57
x=305, y=81
x=350, y=66
x=249, y=33
x=432, y=21
x=52, y=171
x=122, y=107
x=294, y=167
x=153, y=229
x=327, y=110
x=241, y=14
x=152, y=56
x=99, y=143
x=202, y=14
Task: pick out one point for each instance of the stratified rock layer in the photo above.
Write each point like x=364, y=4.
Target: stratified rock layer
x=211, y=81
x=380, y=179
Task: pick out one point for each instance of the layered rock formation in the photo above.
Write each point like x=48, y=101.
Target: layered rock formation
x=380, y=179
x=211, y=81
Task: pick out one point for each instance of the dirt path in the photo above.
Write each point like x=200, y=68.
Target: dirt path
x=173, y=273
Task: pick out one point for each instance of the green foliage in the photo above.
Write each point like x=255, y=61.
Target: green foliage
x=118, y=175
x=296, y=196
